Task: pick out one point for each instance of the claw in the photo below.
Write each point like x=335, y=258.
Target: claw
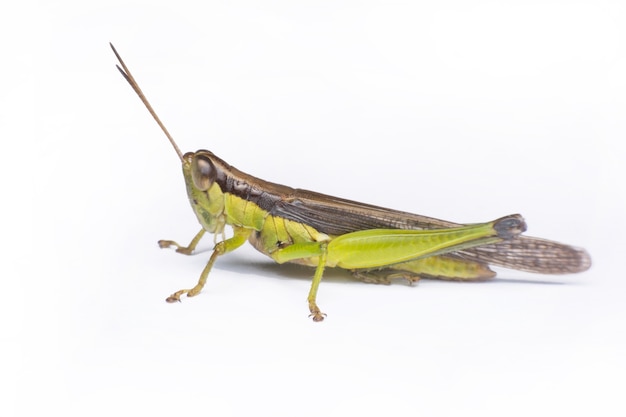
x=175, y=297
x=166, y=243
x=318, y=316
x=185, y=250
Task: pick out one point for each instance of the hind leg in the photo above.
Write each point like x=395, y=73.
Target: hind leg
x=434, y=267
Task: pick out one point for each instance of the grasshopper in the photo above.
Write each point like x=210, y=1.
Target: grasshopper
x=376, y=244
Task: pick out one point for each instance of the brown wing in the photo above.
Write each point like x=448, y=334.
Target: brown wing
x=337, y=216
x=531, y=254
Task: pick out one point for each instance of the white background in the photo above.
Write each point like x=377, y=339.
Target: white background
x=463, y=110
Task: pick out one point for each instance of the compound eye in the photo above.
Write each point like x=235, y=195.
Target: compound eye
x=202, y=172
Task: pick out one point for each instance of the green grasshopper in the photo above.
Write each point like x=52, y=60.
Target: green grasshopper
x=376, y=244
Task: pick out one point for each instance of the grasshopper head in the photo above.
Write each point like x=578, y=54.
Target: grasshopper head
x=205, y=196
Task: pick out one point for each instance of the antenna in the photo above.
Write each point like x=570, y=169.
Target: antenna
x=131, y=80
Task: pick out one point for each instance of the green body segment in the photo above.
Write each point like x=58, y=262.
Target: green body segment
x=240, y=212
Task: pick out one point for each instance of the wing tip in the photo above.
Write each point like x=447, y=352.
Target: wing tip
x=583, y=260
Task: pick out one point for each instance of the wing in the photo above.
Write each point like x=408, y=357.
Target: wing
x=531, y=254
x=336, y=216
